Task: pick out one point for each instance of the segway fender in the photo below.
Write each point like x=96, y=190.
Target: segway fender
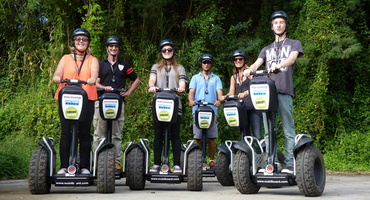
x=48, y=144
x=193, y=146
x=242, y=146
x=223, y=149
x=106, y=145
x=301, y=143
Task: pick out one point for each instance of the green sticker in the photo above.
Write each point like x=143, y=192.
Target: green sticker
x=71, y=112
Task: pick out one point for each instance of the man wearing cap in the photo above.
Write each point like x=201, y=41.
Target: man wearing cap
x=113, y=73
x=206, y=87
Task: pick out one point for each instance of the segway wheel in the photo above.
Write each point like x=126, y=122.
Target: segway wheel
x=242, y=174
x=224, y=174
x=38, y=173
x=194, y=170
x=105, y=171
x=310, y=169
x=135, y=169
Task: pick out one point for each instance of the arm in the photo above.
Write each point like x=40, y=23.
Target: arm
x=94, y=71
x=220, y=96
x=151, y=84
x=288, y=62
x=231, y=90
x=182, y=86
x=256, y=65
x=191, y=97
x=133, y=87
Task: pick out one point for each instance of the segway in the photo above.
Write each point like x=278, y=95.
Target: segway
x=204, y=119
x=164, y=108
x=110, y=107
x=72, y=99
x=254, y=168
x=236, y=116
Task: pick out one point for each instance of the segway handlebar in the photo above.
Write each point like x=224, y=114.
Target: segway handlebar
x=231, y=97
x=73, y=82
x=111, y=90
x=170, y=90
x=264, y=72
x=200, y=102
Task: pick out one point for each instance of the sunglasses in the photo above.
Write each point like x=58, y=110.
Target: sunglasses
x=207, y=62
x=81, y=39
x=167, y=50
x=236, y=59
x=113, y=45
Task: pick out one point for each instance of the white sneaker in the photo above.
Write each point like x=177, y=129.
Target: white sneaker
x=62, y=171
x=177, y=169
x=288, y=170
x=154, y=169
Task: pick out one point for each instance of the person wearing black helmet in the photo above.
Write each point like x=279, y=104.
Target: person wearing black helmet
x=113, y=73
x=206, y=86
x=79, y=65
x=239, y=84
x=280, y=56
x=167, y=73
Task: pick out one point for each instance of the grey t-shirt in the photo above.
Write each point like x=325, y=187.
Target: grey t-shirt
x=274, y=54
x=168, y=79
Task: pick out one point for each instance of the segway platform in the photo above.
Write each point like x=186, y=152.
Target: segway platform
x=73, y=180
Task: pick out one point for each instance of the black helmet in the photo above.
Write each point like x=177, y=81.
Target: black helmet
x=279, y=14
x=113, y=40
x=81, y=31
x=166, y=42
x=238, y=52
x=205, y=57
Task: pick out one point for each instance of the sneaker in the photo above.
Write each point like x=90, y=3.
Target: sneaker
x=154, y=169
x=212, y=164
x=177, y=169
x=288, y=170
x=62, y=171
x=117, y=166
x=85, y=171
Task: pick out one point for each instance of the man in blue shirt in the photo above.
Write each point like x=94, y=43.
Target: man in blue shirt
x=206, y=87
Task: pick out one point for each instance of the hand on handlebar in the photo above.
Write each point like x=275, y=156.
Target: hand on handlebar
x=217, y=103
x=192, y=103
x=153, y=89
x=56, y=79
x=91, y=81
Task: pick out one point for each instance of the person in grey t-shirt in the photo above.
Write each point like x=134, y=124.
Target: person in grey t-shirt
x=282, y=55
x=167, y=73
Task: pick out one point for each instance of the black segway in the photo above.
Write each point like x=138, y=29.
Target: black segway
x=253, y=167
x=72, y=99
x=110, y=107
x=204, y=118
x=236, y=116
x=164, y=108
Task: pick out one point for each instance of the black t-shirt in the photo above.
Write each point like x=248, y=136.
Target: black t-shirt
x=115, y=75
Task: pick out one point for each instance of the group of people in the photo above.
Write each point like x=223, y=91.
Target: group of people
x=205, y=86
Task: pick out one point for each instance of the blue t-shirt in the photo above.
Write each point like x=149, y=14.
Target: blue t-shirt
x=201, y=85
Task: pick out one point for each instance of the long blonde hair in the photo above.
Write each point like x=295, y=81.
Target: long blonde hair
x=162, y=63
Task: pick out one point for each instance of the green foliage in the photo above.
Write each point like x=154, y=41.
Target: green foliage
x=349, y=152
x=15, y=152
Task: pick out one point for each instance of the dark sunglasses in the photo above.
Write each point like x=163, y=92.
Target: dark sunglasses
x=207, y=62
x=81, y=39
x=113, y=45
x=236, y=59
x=167, y=50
